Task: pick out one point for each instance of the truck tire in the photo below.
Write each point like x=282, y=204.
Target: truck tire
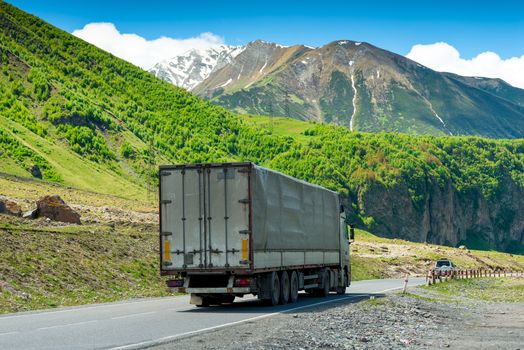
x=284, y=287
x=206, y=301
x=274, y=288
x=324, y=291
x=293, y=287
x=341, y=290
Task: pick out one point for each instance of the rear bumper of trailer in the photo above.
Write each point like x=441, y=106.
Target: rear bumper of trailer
x=212, y=284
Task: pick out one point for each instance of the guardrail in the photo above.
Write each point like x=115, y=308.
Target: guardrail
x=457, y=274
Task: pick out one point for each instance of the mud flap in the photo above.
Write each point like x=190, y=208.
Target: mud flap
x=196, y=300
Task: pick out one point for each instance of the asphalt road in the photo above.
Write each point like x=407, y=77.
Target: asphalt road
x=141, y=323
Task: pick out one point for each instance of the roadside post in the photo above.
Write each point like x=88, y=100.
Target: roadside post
x=405, y=283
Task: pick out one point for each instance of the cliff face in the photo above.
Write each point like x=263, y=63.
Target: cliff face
x=447, y=216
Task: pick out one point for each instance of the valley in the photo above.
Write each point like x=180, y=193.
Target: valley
x=63, y=123
x=103, y=246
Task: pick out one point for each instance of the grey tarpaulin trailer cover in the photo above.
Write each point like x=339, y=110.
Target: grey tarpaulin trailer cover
x=242, y=219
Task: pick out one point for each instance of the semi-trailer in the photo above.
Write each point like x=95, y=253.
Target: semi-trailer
x=231, y=229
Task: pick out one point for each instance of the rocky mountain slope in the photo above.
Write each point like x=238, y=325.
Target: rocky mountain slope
x=194, y=66
x=365, y=88
x=76, y=115
x=448, y=217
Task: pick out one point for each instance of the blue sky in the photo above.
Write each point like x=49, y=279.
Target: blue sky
x=473, y=38
x=470, y=26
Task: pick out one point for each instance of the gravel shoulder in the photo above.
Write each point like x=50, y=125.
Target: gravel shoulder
x=421, y=319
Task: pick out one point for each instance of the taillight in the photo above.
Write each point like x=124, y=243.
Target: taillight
x=243, y=282
x=175, y=283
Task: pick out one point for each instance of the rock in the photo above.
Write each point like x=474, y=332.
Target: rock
x=4, y=286
x=30, y=214
x=446, y=216
x=463, y=247
x=54, y=208
x=9, y=207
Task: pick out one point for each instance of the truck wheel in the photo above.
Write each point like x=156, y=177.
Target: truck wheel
x=206, y=301
x=341, y=290
x=293, y=287
x=324, y=291
x=274, y=284
x=284, y=287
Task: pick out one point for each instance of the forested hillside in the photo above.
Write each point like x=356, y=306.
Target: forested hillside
x=74, y=114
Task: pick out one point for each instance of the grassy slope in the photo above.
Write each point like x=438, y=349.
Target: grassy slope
x=46, y=264
x=377, y=257
x=281, y=126
x=74, y=170
x=45, y=267
x=27, y=190
x=484, y=289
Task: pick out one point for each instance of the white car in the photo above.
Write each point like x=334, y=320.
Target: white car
x=444, y=265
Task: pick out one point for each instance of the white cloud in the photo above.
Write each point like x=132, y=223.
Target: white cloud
x=445, y=58
x=138, y=50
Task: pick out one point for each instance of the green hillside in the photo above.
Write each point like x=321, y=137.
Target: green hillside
x=74, y=114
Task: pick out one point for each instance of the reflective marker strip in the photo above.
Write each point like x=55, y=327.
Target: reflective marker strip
x=244, y=249
x=167, y=250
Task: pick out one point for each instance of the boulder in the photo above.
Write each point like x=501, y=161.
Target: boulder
x=9, y=207
x=30, y=214
x=54, y=208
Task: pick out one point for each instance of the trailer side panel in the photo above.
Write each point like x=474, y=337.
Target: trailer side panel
x=294, y=223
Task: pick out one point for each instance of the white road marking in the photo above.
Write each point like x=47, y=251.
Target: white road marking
x=133, y=315
x=8, y=333
x=185, y=307
x=186, y=334
x=66, y=325
x=80, y=308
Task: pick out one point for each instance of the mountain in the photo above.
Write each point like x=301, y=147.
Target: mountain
x=194, y=66
x=364, y=88
x=73, y=114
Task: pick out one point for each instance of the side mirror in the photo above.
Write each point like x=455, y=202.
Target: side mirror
x=351, y=234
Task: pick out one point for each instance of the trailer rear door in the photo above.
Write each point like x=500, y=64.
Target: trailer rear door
x=204, y=217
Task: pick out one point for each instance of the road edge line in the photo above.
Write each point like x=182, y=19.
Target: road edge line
x=168, y=339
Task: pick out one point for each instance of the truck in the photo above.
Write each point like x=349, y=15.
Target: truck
x=232, y=229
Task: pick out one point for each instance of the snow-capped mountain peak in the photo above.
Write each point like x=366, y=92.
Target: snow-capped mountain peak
x=192, y=67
